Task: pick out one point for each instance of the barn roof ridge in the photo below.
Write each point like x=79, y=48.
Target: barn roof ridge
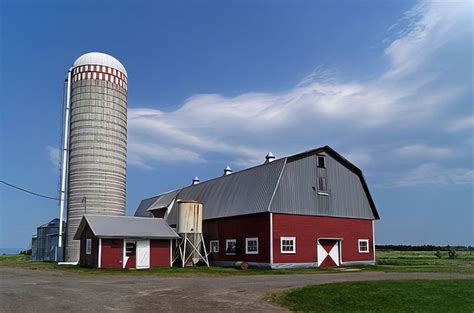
x=232, y=183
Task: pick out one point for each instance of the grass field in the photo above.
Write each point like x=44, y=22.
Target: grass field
x=25, y=262
x=387, y=261
x=381, y=296
x=424, y=261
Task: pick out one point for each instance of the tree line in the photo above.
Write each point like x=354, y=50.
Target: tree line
x=423, y=248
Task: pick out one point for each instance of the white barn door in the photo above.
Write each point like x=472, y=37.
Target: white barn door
x=328, y=252
x=143, y=253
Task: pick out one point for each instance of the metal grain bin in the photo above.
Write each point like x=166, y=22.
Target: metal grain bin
x=189, y=217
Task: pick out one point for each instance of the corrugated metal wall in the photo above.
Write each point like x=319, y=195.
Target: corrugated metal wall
x=298, y=190
x=44, y=246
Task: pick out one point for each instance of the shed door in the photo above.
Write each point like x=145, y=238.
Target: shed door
x=143, y=254
x=328, y=252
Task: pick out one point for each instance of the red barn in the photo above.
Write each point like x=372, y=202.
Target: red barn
x=309, y=209
x=124, y=242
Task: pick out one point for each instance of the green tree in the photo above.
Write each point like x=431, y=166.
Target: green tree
x=452, y=253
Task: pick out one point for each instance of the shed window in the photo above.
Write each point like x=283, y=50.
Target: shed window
x=288, y=244
x=322, y=185
x=88, y=246
x=130, y=248
x=251, y=245
x=214, y=246
x=230, y=246
x=363, y=245
x=321, y=161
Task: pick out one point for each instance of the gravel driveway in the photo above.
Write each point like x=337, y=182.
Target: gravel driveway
x=26, y=290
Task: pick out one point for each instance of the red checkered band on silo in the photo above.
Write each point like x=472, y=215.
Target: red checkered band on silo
x=100, y=72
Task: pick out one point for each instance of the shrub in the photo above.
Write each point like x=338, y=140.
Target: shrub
x=452, y=253
x=438, y=254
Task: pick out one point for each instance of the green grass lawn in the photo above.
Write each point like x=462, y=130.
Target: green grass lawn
x=381, y=296
x=387, y=261
x=25, y=262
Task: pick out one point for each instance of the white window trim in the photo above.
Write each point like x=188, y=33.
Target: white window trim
x=317, y=161
x=294, y=245
x=227, y=241
x=246, y=245
x=99, y=257
x=210, y=246
x=321, y=191
x=88, y=246
x=358, y=245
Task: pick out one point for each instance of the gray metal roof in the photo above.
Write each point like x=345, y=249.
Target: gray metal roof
x=244, y=192
x=157, y=202
x=108, y=226
x=142, y=209
x=164, y=200
x=286, y=185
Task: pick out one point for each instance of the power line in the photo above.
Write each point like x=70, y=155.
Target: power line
x=27, y=191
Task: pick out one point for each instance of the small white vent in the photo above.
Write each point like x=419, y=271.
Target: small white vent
x=227, y=170
x=269, y=158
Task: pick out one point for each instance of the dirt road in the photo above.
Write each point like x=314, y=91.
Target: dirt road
x=26, y=290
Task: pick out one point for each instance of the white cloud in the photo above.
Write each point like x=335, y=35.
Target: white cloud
x=351, y=116
x=433, y=174
x=359, y=158
x=141, y=153
x=421, y=151
x=54, y=156
x=464, y=123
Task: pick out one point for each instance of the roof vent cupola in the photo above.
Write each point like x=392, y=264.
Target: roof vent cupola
x=196, y=180
x=269, y=158
x=227, y=170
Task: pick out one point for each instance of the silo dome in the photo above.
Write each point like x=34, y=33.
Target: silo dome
x=99, y=58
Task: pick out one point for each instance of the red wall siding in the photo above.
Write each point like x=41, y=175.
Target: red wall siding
x=239, y=228
x=88, y=260
x=112, y=253
x=308, y=229
x=160, y=253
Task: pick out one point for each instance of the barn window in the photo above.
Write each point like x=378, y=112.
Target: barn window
x=251, y=245
x=214, y=246
x=322, y=186
x=288, y=244
x=130, y=248
x=321, y=161
x=88, y=246
x=230, y=246
x=363, y=245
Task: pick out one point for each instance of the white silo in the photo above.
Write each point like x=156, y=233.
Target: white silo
x=95, y=143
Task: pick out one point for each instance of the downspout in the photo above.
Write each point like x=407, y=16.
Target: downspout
x=271, y=214
x=64, y=165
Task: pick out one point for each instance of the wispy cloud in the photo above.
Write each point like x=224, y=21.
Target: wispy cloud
x=432, y=174
x=141, y=153
x=54, y=156
x=463, y=123
x=411, y=96
x=421, y=151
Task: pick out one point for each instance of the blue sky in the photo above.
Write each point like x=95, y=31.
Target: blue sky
x=387, y=84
